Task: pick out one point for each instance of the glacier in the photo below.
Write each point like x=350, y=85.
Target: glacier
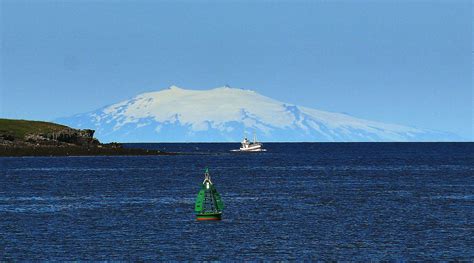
x=227, y=114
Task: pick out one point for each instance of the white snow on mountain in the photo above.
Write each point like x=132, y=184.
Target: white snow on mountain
x=226, y=114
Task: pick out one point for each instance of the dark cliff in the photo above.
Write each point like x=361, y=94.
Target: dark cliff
x=37, y=138
x=38, y=133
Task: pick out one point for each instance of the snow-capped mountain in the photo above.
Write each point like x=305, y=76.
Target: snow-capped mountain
x=226, y=114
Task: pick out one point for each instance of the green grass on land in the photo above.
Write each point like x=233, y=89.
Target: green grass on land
x=20, y=128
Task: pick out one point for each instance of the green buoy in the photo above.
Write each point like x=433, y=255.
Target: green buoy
x=209, y=204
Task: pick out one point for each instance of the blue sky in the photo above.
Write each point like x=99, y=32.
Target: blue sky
x=405, y=62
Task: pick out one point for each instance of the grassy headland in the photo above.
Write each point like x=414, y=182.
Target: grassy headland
x=18, y=129
x=38, y=138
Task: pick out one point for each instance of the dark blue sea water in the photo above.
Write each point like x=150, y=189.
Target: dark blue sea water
x=315, y=201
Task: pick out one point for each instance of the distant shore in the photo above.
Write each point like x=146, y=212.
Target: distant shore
x=38, y=138
x=8, y=151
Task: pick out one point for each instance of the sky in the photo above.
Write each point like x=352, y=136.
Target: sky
x=404, y=62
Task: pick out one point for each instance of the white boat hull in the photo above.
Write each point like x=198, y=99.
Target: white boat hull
x=252, y=150
x=256, y=148
x=248, y=151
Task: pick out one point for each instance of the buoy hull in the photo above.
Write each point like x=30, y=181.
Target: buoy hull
x=208, y=217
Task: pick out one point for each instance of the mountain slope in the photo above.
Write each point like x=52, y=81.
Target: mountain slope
x=225, y=114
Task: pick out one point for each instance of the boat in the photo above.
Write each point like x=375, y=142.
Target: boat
x=248, y=146
x=209, y=203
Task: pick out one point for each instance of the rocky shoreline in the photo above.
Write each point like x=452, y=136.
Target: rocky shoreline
x=15, y=151
x=33, y=138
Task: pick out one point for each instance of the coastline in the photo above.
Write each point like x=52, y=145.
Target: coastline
x=37, y=138
x=7, y=151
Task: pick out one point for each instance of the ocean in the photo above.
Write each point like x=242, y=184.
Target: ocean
x=297, y=201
